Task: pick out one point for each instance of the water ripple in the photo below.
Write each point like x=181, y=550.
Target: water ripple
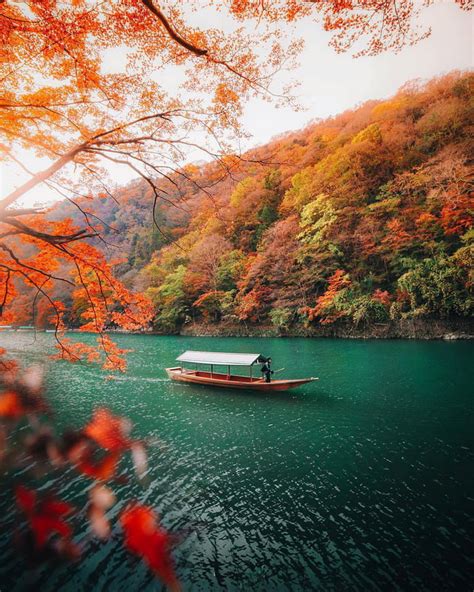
x=357, y=485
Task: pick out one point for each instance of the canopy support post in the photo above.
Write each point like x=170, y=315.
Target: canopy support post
x=251, y=366
x=228, y=372
x=211, y=370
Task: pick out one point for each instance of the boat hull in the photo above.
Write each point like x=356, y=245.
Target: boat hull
x=233, y=381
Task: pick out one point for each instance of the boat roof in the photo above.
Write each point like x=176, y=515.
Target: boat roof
x=218, y=358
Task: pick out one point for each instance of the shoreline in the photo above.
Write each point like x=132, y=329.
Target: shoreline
x=432, y=329
x=422, y=329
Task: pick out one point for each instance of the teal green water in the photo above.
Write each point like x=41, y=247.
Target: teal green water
x=361, y=481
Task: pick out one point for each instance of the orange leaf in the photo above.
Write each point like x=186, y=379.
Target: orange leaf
x=109, y=431
x=145, y=538
x=10, y=405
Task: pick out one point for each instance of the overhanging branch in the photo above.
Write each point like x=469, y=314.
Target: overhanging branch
x=171, y=32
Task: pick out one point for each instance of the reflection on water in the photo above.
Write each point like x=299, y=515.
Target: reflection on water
x=360, y=481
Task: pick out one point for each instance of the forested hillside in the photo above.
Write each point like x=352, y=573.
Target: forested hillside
x=358, y=219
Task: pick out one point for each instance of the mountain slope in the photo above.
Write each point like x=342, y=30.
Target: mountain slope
x=362, y=218
x=358, y=219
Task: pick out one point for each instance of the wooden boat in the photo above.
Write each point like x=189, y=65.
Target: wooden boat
x=228, y=380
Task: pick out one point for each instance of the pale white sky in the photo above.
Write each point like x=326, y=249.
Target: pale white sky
x=331, y=82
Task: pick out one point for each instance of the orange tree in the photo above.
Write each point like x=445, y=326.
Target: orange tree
x=62, y=102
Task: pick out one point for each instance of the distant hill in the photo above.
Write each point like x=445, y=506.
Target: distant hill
x=359, y=219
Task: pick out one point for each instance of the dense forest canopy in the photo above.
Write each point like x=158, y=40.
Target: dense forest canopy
x=361, y=218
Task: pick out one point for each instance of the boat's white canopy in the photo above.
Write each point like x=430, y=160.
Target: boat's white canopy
x=218, y=358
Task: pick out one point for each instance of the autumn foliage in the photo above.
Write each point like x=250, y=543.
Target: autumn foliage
x=325, y=306
x=354, y=218
x=145, y=538
x=62, y=102
x=382, y=193
x=94, y=452
x=366, y=218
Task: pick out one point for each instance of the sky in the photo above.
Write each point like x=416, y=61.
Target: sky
x=329, y=82
x=332, y=83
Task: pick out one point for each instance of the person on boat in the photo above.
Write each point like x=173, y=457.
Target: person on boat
x=266, y=370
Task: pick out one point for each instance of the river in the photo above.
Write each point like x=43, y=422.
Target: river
x=361, y=481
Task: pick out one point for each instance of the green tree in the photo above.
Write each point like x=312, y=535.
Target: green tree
x=281, y=318
x=230, y=270
x=438, y=287
x=170, y=300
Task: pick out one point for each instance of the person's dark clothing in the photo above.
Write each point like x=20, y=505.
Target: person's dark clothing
x=267, y=371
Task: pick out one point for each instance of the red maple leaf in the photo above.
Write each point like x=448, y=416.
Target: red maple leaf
x=46, y=517
x=10, y=405
x=109, y=431
x=103, y=470
x=144, y=537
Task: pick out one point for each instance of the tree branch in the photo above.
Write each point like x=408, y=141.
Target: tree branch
x=171, y=32
x=49, y=276
x=53, y=239
x=39, y=178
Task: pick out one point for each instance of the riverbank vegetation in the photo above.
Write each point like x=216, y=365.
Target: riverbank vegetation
x=365, y=218
x=360, y=219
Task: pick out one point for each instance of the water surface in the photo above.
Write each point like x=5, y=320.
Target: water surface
x=361, y=481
